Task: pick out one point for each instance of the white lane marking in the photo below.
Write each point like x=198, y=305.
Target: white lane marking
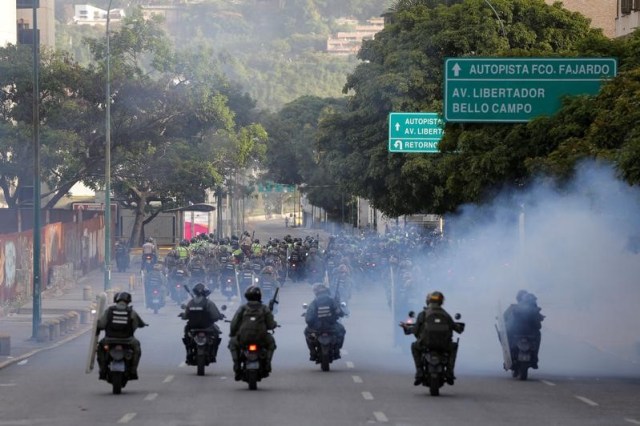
x=632, y=421
x=380, y=417
x=16, y=422
x=168, y=379
x=350, y=364
x=367, y=396
x=151, y=397
x=6, y=385
x=548, y=383
x=23, y=362
x=127, y=418
x=587, y=401
x=357, y=379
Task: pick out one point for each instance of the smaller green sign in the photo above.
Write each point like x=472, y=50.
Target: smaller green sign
x=274, y=187
x=415, y=132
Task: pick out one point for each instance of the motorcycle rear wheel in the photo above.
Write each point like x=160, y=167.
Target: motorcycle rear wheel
x=116, y=382
x=200, y=362
x=523, y=372
x=252, y=379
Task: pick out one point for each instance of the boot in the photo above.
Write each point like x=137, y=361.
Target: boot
x=418, y=378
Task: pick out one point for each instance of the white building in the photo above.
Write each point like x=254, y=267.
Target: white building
x=85, y=14
x=628, y=18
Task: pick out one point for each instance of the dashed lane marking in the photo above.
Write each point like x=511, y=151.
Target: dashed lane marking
x=168, y=379
x=350, y=364
x=587, y=401
x=6, y=385
x=367, y=396
x=548, y=383
x=632, y=421
x=357, y=379
x=126, y=418
x=23, y=362
x=380, y=417
x=151, y=397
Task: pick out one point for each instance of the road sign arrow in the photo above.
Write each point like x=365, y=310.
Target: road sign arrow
x=456, y=70
x=397, y=127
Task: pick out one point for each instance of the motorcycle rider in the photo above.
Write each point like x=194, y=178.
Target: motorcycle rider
x=155, y=278
x=434, y=329
x=524, y=318
x=120, y=321
x=201, y=313
x=323, y=314
x=252, y=318
x=149, y=248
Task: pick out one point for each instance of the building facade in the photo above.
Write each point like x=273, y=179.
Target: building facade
x=8, y=33
x=601, y=12
x=628, y=17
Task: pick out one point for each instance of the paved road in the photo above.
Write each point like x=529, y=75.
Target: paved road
x=371, y=384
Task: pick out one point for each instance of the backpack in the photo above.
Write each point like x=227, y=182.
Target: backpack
x=253, y=327
x=436, y=333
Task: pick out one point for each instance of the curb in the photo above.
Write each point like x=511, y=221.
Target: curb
x=54, y=345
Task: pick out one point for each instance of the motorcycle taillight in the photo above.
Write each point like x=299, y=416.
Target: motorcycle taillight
x=253, y=348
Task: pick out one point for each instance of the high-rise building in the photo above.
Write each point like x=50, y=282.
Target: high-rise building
x=16, y=22
x=8, y=34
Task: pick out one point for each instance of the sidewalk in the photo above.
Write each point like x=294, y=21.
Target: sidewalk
x=66, y=314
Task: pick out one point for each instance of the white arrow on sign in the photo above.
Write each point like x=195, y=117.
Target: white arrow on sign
x=397, y=127
x=397, y=144
x=456, y=70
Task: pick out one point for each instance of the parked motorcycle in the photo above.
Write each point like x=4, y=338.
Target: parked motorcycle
x=436, y=362
x=119, y=358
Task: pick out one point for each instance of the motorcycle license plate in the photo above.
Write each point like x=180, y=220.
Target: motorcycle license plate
x=253, y=365
x=155, y=300
x=117, y=366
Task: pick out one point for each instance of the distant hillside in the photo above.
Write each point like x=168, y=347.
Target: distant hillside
x=276, y=49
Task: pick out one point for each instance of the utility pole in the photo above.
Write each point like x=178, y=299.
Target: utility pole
x=37, y=314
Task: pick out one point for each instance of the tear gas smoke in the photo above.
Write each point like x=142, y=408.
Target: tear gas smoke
x=575, y=248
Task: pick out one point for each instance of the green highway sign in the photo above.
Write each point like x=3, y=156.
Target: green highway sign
x=274, y=187
x=518, y=89
x=415, y=132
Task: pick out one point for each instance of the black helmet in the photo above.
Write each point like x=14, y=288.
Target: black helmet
x=194, y=240
x=184, y=243
x=521, y=295
x=319, y=288
x=435, y=297
x=200, y=290
x=253, y=294
x=122, y=296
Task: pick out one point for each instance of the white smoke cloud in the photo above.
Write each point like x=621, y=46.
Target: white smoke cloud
x=569, y=246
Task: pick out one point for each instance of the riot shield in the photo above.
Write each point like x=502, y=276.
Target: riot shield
x=101, y=304
x=504, y=339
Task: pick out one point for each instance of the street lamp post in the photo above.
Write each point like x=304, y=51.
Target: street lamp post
x=37, y=315
x=107, y=165
x=497, y=16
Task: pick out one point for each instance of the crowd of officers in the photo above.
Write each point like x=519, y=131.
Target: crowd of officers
x=348, y=263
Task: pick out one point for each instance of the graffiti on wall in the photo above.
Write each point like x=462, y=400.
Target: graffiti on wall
x=61, y=243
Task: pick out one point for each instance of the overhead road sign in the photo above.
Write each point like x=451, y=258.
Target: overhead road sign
x=518, y=89
x=415, y=132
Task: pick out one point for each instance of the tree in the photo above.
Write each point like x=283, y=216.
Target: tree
x=402, y=70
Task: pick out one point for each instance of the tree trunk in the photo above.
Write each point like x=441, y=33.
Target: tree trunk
x=136, y=232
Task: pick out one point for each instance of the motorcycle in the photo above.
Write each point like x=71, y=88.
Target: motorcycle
x=522, y=359
x=295, y=267
x=228, y=285
x=247, y=278
x=122, y=258
x=178, y=280
x=119, y=358
x=155, y=299
x=253, y=364
x=204, y=344
x=436, y=362
x=147, y=262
